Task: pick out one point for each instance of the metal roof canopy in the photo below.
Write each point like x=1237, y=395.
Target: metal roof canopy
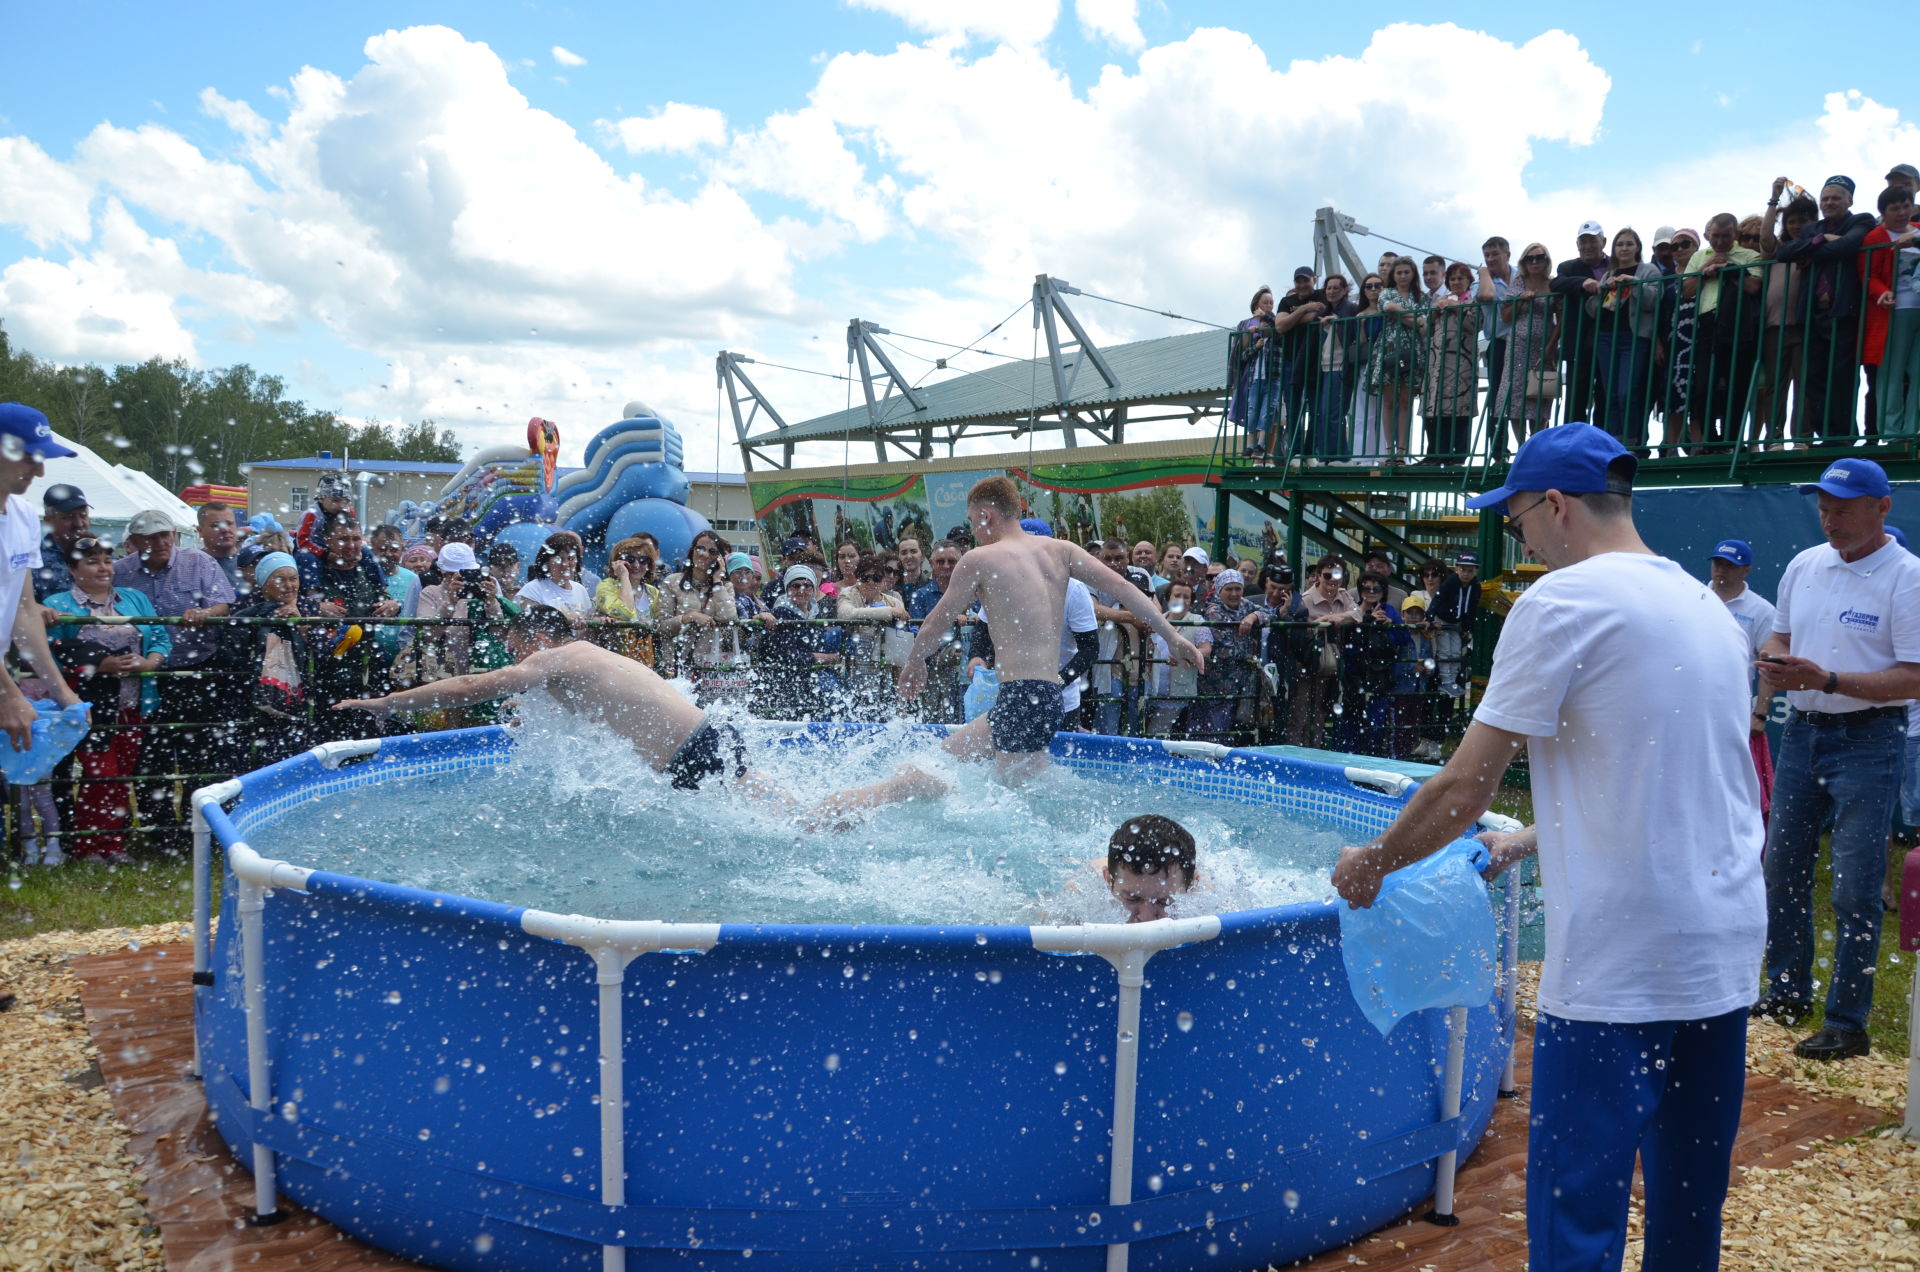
x=1187, y=373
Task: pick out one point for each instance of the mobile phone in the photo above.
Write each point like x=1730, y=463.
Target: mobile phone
x=1769, y=658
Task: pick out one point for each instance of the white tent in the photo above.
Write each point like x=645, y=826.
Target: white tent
x=114, y=492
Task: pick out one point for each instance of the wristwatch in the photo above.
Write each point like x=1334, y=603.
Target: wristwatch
x=1833, y=683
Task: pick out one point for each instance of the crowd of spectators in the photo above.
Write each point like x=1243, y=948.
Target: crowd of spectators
x=1762, y=332
x=256, y=633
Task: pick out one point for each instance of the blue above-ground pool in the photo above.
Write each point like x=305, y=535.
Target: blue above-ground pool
x=483, y=1086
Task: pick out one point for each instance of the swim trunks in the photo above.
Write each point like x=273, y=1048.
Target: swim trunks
x=700, y=756
x=1025, y=716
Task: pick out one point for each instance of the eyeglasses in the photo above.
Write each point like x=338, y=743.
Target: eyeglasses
x=1535, y=259
x=1748, y=238
x=1371, y=287
x=1512, y=519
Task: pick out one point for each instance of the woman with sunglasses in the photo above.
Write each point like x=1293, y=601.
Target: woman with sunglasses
x=697, y=614
x=628, y=595
x=1528, y=383
x=869, y=678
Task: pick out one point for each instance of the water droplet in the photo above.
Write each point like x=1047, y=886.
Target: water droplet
x=442, y=1084
x=425, y=1133
x=392, y=998
x=1059, y=1066
x=1291, y=1199
x=1183, y=1022
x=483, y=1243
x=832, y=1062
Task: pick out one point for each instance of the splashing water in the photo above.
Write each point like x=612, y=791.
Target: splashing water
x=575, y=825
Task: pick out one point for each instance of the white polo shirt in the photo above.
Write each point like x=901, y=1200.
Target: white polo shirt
x=1850, y=616
x=20, y=540
x=1628, y=679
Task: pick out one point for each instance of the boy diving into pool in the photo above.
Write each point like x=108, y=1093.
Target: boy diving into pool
x=1021, y=579
x=1150, y=861
x=670, y=733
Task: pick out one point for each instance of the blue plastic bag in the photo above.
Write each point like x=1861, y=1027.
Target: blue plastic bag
x=1428, y=940
x=982, y=692
x=56, y=731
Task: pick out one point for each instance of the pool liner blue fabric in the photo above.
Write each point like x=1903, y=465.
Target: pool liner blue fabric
x=1427, y=940
x=56, y=731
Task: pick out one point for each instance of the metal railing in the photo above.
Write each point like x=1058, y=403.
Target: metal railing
x=1792, y=350
x=1263, y=696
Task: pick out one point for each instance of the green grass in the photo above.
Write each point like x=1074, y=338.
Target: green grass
x=156, y=888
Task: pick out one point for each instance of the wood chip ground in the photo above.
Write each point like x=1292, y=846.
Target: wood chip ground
x=1820, y=1182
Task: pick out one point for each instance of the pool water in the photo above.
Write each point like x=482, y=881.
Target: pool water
x=577, y=823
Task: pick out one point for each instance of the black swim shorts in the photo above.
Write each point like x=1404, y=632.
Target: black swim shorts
x=1025, y=716
x=703, y=754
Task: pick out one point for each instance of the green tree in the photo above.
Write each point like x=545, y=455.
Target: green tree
x=182, y=425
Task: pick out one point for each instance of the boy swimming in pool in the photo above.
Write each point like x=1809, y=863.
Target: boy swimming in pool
x=1021, y=579
x=670, y=733
x=1150, y=861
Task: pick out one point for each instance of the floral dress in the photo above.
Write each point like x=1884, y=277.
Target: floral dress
x=1453, y=378
x=1398, y=356
x=1529, y=348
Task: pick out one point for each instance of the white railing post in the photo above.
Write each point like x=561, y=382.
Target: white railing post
x=1450, y=1085
x=1126, y=1083
x=612, y=944
x=255, y=877
x=218, y=793
x=1127, y=946
x=253, y=959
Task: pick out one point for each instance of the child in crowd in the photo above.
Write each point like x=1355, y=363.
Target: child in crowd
x=333, y=494
x=1150, y=861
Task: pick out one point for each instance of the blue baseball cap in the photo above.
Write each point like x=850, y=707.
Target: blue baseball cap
x=30, y=428
x=1852, y=479
x=1567, y=457
x=1737, y=551
x=1034, y=525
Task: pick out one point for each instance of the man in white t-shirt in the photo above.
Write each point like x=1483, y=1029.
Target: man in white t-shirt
x=1625, y=679
x=1728, y=567
x=1846, y=649
x=26, y=441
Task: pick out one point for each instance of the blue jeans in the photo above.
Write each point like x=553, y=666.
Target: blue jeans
x=1262, y=397
x=1669, y=1091
x=1330, y=417
x=1853, y=772
x=1622, y=365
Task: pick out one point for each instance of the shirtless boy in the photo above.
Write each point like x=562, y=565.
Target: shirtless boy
x=670, y=733
x=1020, y=579
x=1150, y=861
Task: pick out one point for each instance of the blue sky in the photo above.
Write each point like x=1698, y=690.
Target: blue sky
x=461, y=221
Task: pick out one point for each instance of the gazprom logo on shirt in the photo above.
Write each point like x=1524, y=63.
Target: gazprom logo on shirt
x=1859, y=621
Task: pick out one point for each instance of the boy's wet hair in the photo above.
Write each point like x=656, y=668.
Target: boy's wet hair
x=1151, y=844
x=997, y=493
x=540, y=623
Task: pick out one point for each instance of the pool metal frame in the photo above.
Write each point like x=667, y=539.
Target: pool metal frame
x=613, y=944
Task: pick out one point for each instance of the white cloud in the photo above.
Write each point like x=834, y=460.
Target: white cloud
x=994, y=21
x=802, y=156
x=567, y=57
x=44, y=198
x=115, y=304
x=674, y=128
x=1171, y=182
x=1115, y=20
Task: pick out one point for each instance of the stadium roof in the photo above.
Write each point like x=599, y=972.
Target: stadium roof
x=1185, y=370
